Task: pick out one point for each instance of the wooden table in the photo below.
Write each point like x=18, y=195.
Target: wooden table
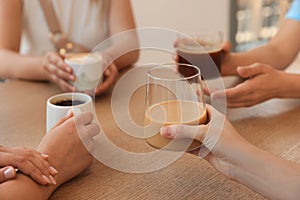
x=273, y=126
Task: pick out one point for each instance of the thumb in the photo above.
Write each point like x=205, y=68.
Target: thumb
x=184, y=131
x=7, y=173
x=252, y=70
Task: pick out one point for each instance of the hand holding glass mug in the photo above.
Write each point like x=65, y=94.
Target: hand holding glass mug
x=174, y=96
x=203, y=50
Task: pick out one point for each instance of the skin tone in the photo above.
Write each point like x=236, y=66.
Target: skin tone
x=240, y=161
x=262, y=82
x=51, y=67
x=261, y=69
x=27, y=161
x=66, y=152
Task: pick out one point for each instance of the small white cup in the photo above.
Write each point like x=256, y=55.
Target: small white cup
x=76, y=102
x=88, y=69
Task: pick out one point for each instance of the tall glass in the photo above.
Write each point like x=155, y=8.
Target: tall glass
x=202, y=49
x=174, y=96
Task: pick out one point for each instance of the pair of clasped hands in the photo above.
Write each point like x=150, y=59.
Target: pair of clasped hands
x=59, y=157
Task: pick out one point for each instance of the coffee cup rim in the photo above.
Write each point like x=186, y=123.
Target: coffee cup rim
x=70, y=94
x=86, y=55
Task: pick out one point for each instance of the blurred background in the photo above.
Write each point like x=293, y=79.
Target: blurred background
x=246, y=23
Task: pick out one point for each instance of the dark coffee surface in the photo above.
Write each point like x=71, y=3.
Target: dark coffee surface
x=69, y=103
x=208, y=68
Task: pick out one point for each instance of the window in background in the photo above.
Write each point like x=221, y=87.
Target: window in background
x=254, y=22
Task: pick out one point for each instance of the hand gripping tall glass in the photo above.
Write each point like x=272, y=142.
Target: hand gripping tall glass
x=174, y=95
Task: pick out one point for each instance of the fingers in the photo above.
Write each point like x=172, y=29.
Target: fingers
x=62, y=120
x=38, y=160
x=7, y=173
x=92, y=130
x=176, y=58
x=184, y=131
x=59, y=72
x=110, y=75
x=28, y=166
x=57, y=60
x=253, y=70
x=226, y=46
x=84, y=118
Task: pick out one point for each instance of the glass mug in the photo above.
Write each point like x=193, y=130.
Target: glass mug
x=202, y=49
x=174, y=95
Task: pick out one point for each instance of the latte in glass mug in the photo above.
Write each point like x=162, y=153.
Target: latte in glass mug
x=88, y=69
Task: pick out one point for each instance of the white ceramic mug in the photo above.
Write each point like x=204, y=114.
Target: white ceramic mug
x=88, y=69
x=59, y=105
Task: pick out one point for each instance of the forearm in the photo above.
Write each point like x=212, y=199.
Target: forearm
x=266, y=54
x=127, y=59
x=124, y=50
x=290, y=86
x=23, y=187
x=267, y=174
x=14, y=65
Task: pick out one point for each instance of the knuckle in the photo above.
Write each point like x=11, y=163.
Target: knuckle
x=180, y=129
x=54, y=78
x=20, y=160
x=70, y=124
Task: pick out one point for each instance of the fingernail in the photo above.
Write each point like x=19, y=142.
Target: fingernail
x=166, y=131
x=53, y=170
x=242, y=70
x=72, y=77
x=46, y=179
x=52, y=180
x=9, y=173
x=44, y=155
x=69, y=69
x=69, y=113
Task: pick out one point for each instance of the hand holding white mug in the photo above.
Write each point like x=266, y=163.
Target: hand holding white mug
x=69, y=144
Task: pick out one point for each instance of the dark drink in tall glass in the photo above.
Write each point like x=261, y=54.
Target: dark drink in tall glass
x=207, y=55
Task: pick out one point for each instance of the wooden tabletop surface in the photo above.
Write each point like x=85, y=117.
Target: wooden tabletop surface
x=273, y=126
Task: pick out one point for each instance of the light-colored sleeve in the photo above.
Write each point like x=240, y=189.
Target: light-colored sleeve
x=294, y=12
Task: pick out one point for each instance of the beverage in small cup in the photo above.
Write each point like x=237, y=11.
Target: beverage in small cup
x=203, y=50
x=173, y=98
x=59, y=105
x=88, y=69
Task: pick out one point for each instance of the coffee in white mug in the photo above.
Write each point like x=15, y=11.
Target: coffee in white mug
x=59, y=105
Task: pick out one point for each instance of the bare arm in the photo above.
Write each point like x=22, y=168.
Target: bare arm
x=241, y=161
x=23, y=187
x=122, y=19
x=12, y=64
x=66, y=152
x=279, y=52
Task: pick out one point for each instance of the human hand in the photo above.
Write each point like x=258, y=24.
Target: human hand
x=28, y=161
x=109, y=77
x=222, y=146
x=58, y=71
x=263, y=83
x=64, y=145
x=227, y=68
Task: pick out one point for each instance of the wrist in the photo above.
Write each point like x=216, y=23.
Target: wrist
x=229, y=66
x=42, y=63
x=288, y=87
